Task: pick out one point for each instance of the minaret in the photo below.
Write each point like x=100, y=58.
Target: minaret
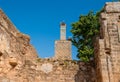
x=63, y=46
x=62, y=31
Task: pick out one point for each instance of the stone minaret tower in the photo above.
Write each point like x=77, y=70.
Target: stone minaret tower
x=63, y=46
x=62, y=31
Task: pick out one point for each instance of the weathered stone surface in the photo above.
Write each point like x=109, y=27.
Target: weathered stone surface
x=13, y=61
x=86, y=72
x=19, y=61
x=63, y=46
x=63, y=50
x=14, y=49
x=107, y=46
x=113, y=7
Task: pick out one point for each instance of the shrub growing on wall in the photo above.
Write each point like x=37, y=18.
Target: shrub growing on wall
x=83, y=32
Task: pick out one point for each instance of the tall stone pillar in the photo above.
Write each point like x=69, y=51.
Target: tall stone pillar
x=107, y=54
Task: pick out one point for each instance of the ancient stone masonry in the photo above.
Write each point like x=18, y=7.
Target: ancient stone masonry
x=14, y=50
x=63, y=50
x=63, y=46
x=19, y=61
x=107, y=47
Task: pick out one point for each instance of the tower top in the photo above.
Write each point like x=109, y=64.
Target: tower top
x=62, y=24
x=62, y=31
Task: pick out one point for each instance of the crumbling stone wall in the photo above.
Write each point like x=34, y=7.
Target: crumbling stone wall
x=56, y=70
x=14, y=49
x=49, y=70
x=19, y=61
x=107, y=47
x=86, y=72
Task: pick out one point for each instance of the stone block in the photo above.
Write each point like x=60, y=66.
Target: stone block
x=13, y=62
x=103, y=16
x=112, y=7
x=1, y=53
x=5, y=80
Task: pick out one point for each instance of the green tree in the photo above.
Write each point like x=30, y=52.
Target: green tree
x=83, y=32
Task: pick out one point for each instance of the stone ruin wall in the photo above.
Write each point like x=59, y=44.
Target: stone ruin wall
x=19, y=61
x=47, y=70
x=107, y=47
x=14, y=50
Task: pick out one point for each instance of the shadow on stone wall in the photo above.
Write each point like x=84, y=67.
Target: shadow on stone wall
x=86, y=72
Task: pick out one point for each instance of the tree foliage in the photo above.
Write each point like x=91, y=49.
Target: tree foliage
x=83, y=32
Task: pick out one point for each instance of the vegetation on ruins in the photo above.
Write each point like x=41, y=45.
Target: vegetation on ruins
x=83, y=32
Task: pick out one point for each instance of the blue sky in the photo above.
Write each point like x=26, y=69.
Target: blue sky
x=40, y=19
